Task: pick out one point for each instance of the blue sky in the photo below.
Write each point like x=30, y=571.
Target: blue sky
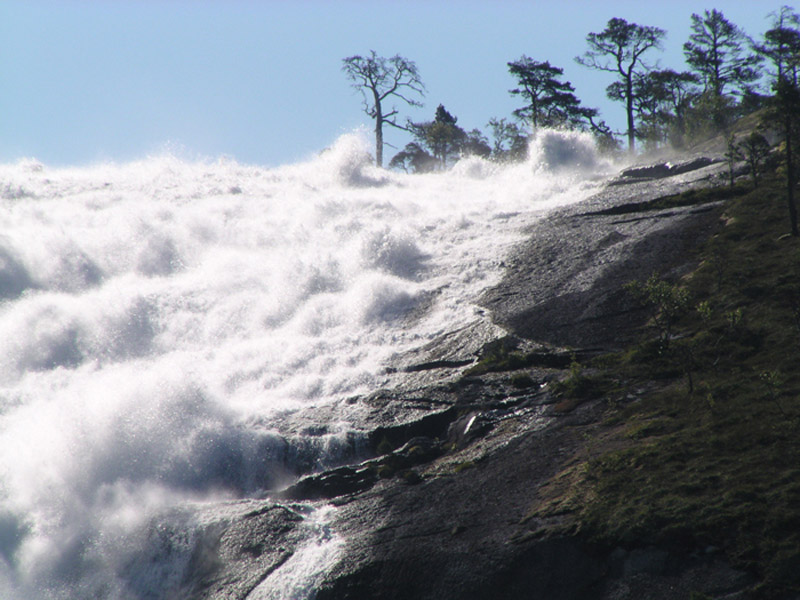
x=85, y=81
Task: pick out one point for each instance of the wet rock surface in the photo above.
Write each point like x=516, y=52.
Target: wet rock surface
x=565, y=285
x=439, y=510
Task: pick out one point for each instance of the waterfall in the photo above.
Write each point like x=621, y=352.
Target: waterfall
x=162, y=322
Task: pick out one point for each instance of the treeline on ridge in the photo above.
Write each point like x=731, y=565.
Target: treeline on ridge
x=728, y=75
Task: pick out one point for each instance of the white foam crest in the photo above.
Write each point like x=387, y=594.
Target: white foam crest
x=557, y=150
x=379, y=298
x=394, y=253
x=50, y=331
x=475, y=167
x=162, y=322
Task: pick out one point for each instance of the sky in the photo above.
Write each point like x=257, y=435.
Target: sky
x=260, y=82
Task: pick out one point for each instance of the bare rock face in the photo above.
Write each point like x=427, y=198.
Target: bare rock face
x=565, y=284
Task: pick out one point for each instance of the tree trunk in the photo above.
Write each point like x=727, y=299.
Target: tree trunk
x=790, y=178
x=378, y=129
x=379, y=142
x=629, y=108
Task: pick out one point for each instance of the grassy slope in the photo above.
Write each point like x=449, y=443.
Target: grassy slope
x=717, y=466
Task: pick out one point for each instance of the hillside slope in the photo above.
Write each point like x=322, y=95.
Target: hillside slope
x=612, y=477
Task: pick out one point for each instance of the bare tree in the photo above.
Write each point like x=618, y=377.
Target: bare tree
x=619, y=49
x=377, y=78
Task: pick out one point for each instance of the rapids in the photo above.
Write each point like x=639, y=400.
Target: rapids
x=162, y=320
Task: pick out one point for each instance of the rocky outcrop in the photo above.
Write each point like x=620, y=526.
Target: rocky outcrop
x=461, y=533
x=661, y=170
x=565, y=284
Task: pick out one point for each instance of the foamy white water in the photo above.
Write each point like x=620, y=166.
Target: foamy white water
x=299, y=577
x=160, y=322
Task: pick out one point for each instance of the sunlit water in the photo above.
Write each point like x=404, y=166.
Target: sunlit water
x=160, y=322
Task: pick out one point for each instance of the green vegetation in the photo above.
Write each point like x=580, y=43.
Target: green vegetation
x=463, y=466
x=578, y=386
x=522, y=381
x=550, y=102
x=717, y=51
x=503, y=355
x=438, y=143
x=700, y=445
x=688, y=198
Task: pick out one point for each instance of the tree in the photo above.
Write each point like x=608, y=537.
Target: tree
x=439, y=142
x=510, y=142
x=646, y=107
x=619, y=49
x=442, y=137
x=716, y=52
x=786, y=111
x=675, y=92
x=413, y=158
x=378, y=78
x=755, y=149
x=782, y=46
x=476, y=144
x=733, y=154
x=550, y=101
x=661, y=100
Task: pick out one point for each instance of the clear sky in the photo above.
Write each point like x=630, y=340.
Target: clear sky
x=83, y=81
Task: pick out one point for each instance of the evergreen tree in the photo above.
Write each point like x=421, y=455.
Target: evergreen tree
x=413, y=159
x=510, y=142
x=733, y=154
x=619, y=49
x=781, y=45
x=755, y=150
x=717, y=52
x=786, y=112
x=442, y=137
x=438, y=143
x=661, y=100
x=676, y=91
x=550, y=101
x=476, y=144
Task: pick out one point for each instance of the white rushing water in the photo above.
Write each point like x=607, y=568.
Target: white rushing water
x=160, y=321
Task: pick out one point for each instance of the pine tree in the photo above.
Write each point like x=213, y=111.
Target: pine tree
x=717, y=52
x=442, y=136
x=550, y=101
x=781, y=45
x=619, y=49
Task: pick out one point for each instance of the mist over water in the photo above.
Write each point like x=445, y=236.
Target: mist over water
x=161, y=322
